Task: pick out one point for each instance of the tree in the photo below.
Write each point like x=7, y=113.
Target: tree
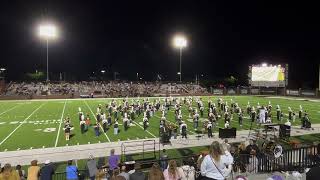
x=36, y=76
x=231, y=81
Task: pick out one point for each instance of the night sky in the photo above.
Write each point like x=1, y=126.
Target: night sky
x=135, y=36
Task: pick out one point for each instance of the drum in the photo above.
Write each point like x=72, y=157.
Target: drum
x=273, y=150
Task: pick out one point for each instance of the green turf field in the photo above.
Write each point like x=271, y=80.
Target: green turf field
x=34, y=124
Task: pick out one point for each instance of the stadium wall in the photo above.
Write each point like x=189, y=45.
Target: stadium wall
x=275, y=91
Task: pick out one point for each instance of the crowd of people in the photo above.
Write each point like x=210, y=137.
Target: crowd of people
x=122, y=114
x=217, y=164
x=109, y=89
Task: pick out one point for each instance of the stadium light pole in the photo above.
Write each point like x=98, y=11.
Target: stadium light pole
x=47, y=32
x=180, y=42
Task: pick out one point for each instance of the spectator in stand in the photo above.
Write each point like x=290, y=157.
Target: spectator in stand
x=21, y=172
x=155, y=172
x=124, y=172
x=137, y=174
x=215, y=165
x=115, y=173
x=101, y=174
x=187, y=171
x=172, y=172
x=92, y=167
x=8, y=173
x=113, y=161
x=47, y=171
x=33, y=171
x=71, y=171
x=164, y=160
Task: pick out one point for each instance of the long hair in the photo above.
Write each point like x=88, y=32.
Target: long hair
x=155, y=172
x=172, y=169
x=216, y=150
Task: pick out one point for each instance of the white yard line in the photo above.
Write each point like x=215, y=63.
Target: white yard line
x=57, y=138
x=146, y=130
x=9, y=109
x=96, y=120
x=21, y=124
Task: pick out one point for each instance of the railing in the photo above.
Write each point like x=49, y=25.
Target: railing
x=63, y=175
x=291, y=160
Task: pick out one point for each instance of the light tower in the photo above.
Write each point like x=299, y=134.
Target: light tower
x=47, y=32
x=180, y=42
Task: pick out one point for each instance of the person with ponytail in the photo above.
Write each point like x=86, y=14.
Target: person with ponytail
x=215, y=166
x=172, y=173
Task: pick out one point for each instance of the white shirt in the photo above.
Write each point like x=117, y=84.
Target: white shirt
x=209, y=170
x=186, y=172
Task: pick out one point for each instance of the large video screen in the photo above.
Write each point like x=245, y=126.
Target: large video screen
x=268, y=75
x=272, y=73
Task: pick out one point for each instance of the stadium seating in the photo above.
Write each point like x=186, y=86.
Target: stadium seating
x=106, y=89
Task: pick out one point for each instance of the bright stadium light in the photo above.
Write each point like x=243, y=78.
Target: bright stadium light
x=264, y=64
x=48, y=31
x=178, y=73
x=2, y=69
x=180, y=42
x=103, y=71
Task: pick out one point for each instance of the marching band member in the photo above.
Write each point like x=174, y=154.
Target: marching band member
x=269, y=106
x=145, y=123
x=300, y=112
x=179, y=119
x=278, y=113
x=104, y=124
x=209, y=128
x=81, y=116
x=240, y=119
x=195, y=121
x=183, y=129
x=125, y=122
x=253, y=114
x=67, y=131
x=248, y=108
x=290, y=113
x=116, y=128
x=190, y=111
x=99, y=109
x=83, y=126
x=201, y=110
x=97, y=129
x=227, y=125
x=262, y=114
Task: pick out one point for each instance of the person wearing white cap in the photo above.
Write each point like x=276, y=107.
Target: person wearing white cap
x=183, y=129
x=116, y=128
x=47, y=171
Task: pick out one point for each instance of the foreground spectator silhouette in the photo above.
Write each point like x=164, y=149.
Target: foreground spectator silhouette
x=124, y=172
x=71, y=171
x=137, y=174
x=113, y=161
x=21, y=172
x=92, y=167
x=155, y=172
x=33, y=171
x=171, y=173
x=215, y=164
x=47, y=171
x=8, y=173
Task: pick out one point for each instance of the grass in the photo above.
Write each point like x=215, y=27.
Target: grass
x=34, y=124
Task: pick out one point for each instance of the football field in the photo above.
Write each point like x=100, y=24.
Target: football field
x=31, y=124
